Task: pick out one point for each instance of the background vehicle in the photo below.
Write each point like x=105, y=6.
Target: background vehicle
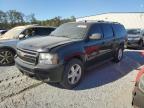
x=9, y=40
x=2, y=32
x=135, y=37
x=63, y=56
x=138, y=93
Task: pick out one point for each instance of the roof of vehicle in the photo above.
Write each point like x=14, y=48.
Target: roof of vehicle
x=33, y=25
x=89, y=22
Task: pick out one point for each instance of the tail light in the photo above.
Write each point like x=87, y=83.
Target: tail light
x=142, y=52
x=139, y=75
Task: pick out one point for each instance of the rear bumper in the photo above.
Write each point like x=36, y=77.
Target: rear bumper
x=49, y=73
x=138, y=98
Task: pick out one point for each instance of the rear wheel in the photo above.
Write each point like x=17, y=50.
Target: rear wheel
x=118, y=55
x=6, y=57
x=73, y=74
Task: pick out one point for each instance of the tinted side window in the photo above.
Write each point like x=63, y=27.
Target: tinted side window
x=95, y=29
x=119, y=30
x=28, y=32
x=47, y=31
x=107, y=30
x=51, y=29
x=42, y=31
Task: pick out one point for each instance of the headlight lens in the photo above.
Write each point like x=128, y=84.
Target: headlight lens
x=46, y=58
x=141, y=84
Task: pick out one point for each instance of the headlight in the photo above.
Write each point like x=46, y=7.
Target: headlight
x=46, y=58
x=141, y=84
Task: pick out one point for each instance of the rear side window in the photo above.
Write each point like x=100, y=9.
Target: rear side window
x=95, y=29
x=107, y=31
x=119, y=30
x=43, y=31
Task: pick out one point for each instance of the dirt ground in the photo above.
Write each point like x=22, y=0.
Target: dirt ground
x=109, y=85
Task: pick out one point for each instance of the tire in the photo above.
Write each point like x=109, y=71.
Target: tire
x=73, y=74
x=140, y=44
x=6, y=57
x=118, y=55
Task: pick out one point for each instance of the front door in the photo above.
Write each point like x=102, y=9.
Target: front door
x=94, y=49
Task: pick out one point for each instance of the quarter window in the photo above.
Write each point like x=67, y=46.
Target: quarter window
x=119, y=30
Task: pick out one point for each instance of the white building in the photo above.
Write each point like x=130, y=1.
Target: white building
x=129, y=19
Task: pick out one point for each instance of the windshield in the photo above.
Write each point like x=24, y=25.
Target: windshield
x=71, y=30
x=13, y=33
x=134, y=31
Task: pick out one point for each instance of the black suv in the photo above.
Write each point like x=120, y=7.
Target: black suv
x=65, y=54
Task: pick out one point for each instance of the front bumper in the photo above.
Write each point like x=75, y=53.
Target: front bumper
x=138, y=98
x=48, y=73
x=132, y=42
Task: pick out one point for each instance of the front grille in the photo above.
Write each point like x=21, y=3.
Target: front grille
x=27, y=56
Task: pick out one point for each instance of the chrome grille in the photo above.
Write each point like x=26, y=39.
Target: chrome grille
x=27, y=56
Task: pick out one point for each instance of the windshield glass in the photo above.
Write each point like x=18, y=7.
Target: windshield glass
x=134, y=31
x=13, y=33
x=71, y=30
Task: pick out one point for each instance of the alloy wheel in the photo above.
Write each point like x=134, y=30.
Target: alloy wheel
x=74, y=74
x=6, y=57
x=120, y=54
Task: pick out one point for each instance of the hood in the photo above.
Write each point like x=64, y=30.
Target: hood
x=43, y=43
x=3, y=37
x=3, y=41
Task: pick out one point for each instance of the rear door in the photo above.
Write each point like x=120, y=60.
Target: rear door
x=108, y=40
x=120, y=35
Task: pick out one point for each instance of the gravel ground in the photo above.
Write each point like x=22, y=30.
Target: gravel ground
x=106, y=86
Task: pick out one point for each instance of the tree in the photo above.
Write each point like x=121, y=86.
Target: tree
x=31, y=19
x=15, y=17
x=3, y=20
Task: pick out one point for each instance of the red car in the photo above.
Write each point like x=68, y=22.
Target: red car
x=138, y=92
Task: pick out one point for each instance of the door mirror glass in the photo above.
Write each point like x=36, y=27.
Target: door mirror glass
x=21, y=36
x=96, y=36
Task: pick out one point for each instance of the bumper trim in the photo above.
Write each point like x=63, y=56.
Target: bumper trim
x=52, y=73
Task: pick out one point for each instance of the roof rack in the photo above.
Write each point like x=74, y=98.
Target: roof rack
x=98, y=21
x=32, y=25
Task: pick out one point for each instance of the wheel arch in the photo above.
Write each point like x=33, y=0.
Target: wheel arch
x=76, y=56
x=141, y=40
x=9, y=48
x=122, y=44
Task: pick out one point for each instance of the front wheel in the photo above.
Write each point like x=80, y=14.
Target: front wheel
x=118, y=55
x=6, y=57
x=140, y=44
x=73, y=74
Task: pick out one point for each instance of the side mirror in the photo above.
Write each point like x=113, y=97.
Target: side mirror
x=21, y=36
x=96, y=36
